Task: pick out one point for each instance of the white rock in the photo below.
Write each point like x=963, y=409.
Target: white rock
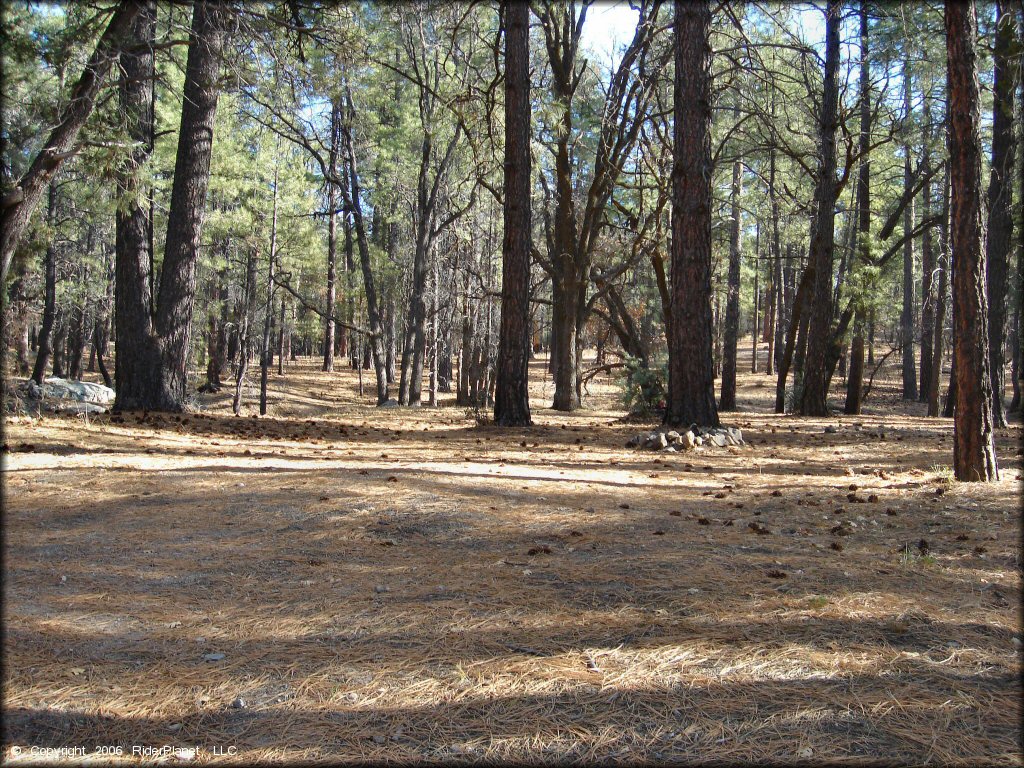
x=80, y=391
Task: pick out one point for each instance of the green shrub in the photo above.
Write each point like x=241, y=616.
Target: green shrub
x=643, y=387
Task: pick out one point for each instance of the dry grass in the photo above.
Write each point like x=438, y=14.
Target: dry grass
x=368, y=577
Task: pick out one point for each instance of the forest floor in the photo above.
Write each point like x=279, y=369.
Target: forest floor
x=344, y=583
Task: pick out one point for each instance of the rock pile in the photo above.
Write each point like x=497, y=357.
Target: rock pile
x=672, y=441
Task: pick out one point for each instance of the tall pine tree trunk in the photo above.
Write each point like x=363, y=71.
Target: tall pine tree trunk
x=330, y=329
x=927, y=269
x=855, y=377
x=512, y=393
x=566, y=282
x=59, y=342
x=245, y=322
x=814, y=390
x=940, y=306
x=797, y=319
x=1000, y=199
x=266, y=351
x=691, y=395
x=44, y=340
x=974, y=456
x=173, y=321
x=1018, y=316
x=907, y=315
x=732, y=301
x=373, y=318
x=136, y=360
x=779, y=307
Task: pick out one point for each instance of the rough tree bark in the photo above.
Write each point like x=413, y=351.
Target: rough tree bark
x=927, y=266
x=137, y=352
x=216, y=332
x=1017, y=370
x=173, y=319
x=44, y=340
x=814, y=392
x=907, y=315
x=778, y=279
x=732, y=302
x=354, y=205
x=332, y=238
x=266, y=351
x=1000, y=199
x=855, y=376
x=974, y=456
x=512, y=395
x=156, y=377
x=691, y=394
x=248, y=299
x=940, y=303
x=797, y=317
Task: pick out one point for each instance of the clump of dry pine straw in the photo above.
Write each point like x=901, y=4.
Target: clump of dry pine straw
x=340, y=583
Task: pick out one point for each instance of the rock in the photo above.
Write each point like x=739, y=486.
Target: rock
x=389, y=404
x=719, y=436
x=830, y=430
x=79, y=391
x=671, y=449
x=238, y=703
x=734, y=436
x=688, y=440
x=660, y=441
x=213, y=656
x=698, y=441
x=651, y=440
x=80, y=408
x=673, y=436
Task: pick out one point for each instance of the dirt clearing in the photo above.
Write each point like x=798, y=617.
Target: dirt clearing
x=347, y=583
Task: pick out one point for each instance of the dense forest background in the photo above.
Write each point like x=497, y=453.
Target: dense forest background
x=352, y=205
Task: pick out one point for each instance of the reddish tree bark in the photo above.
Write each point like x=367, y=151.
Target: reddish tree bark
x=691, y=395
x=974, y=456
x=1000, y=201
x=512, y=396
